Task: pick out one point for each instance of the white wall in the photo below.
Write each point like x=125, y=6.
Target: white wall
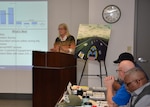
x=71, y=12
x=121, y=36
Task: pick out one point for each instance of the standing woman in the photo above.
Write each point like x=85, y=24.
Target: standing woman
x=65, y=43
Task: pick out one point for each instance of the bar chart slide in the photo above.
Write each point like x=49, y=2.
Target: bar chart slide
x=10, y=15
x=23, y=15
x=23, y=28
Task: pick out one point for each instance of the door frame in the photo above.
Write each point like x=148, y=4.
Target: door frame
x=135, y=29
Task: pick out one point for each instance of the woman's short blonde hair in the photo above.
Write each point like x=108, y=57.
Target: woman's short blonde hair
x=63, y=25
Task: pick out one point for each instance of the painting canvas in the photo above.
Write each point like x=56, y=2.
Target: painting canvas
x=92, y=41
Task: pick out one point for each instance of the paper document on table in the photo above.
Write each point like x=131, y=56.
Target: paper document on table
x=99, y=88
x=102, y=104
x=98, y=96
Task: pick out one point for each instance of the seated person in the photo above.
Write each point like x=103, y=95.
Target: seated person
x=122, y=57
x=122, y=96
x=65, y=43
x=139, y=86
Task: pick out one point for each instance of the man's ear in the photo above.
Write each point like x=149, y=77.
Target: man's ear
x=139, y=82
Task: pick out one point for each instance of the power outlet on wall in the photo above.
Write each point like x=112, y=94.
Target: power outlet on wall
x=129, y=49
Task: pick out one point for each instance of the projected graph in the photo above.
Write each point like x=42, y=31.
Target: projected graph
x=7, y=17
x=13, y=15
x=2, y=17
x=23, y=28
x=10, y=15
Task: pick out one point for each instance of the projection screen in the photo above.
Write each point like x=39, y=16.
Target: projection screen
x=23, y=28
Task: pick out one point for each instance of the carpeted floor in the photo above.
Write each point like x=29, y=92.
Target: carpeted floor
x=15, y=103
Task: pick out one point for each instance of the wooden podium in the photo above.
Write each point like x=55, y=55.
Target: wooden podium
x=51, y=73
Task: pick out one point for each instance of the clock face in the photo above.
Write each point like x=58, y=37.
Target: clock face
x=111, y=14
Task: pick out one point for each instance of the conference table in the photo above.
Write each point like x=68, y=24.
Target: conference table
x=97, y=95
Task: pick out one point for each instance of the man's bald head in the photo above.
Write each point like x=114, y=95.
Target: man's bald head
x=135, y=75
x=123, y=67
x=126, y=65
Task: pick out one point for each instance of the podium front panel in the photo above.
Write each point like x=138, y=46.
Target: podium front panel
x=51, y=73
x=49, y=85
x=39, y=58
x=57, y=59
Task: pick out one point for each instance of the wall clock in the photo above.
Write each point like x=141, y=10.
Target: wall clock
x=111, y=14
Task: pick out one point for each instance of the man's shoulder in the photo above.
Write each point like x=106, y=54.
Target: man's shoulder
x=122, y=90
x=122, y=93
x=143, y=102
x=146, y=97
x=122, y=96
x=144, y=89
x=143, y=96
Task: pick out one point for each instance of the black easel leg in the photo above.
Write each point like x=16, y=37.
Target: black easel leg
x=82, y=72
x=105, y=69
x=100, y=72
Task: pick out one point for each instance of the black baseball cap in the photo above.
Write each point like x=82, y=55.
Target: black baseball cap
x=124, y=56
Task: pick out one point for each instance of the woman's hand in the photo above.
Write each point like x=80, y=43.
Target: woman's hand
x=54, y=50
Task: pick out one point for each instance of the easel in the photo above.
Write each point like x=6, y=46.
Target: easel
x=99, y=75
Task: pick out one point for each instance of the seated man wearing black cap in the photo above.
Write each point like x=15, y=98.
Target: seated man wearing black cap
x=121, y=96
x=122, y=57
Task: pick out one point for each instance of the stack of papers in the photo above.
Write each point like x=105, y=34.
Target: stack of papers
x=98, y=96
